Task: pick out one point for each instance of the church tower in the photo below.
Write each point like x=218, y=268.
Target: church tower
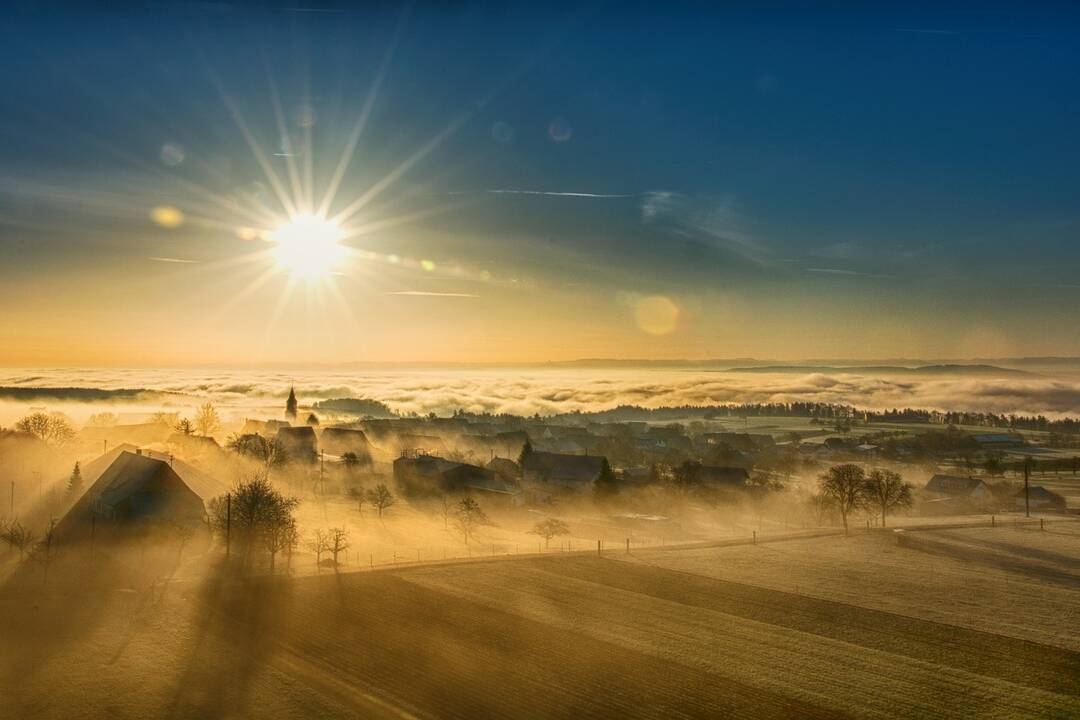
x=290, y=406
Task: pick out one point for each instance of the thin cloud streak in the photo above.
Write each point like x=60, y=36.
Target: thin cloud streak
x=172, y=260
x=425, y=293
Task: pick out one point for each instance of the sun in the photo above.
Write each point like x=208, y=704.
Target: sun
x=308, y=246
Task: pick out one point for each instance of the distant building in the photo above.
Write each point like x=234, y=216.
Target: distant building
x=338, y=441
x=266, y=428
x=290, y=406
x=300, y=443
x=570, y=472
x=420, y=475
x=718, y=476
x=998, y=440
x=505, y=468
x=1041, y=499
x=965, y=488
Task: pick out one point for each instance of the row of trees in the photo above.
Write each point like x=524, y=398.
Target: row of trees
x=848, y=487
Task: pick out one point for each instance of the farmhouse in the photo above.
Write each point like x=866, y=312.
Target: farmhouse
x=134, y=491
x=431, y=475
x=1042, y=499
x=998, y=440
x=338, y=441
x=505, y=468
x=722, y=477
x=571, y=472
x=300, y=443
x=963, y=488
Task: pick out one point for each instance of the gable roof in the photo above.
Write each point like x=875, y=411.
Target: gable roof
x=954, y=484
x=129, y=475
x=557, y=467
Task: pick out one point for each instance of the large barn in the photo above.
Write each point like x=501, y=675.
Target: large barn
x=134, y=491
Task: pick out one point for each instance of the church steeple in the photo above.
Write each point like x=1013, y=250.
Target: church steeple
x=290, y=405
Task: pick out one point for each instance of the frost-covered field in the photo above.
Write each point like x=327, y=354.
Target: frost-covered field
x=944, y=623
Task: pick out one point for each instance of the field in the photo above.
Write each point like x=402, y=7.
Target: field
x=946, y=623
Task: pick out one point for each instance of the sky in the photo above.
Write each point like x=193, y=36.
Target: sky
x=513, y=183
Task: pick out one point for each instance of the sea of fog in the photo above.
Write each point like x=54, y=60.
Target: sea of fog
x=80, y=392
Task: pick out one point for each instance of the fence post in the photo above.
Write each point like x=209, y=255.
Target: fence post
x=992, y=523
x=1041, y=526
x=755, y=537
x=371, y=559
x=627, y=546
x=597, y=547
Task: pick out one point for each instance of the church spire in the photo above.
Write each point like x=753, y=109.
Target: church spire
x=290, y=405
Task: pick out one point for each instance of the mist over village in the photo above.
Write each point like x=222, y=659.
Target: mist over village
x=599, y=361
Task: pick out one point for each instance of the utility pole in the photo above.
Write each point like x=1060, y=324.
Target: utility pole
x=228, y=523
x=322, y=466
x=1027, y=472
x=12, y=498
x=104, y=447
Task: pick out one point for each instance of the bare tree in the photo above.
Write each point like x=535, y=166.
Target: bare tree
x=207, y=420
x=845, y=486
x=268, y=453
x=50, y=428
x=19, y=536
x=381, y=497
x=359, y=496
x=885, y=489
x=447, y=511
x=319, y=544
x=337, y=542
x=550, y=528
x=184, y=427
x=469, y=516
x=278, y=534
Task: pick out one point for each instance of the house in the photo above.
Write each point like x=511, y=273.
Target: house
x=722, y=476
x=419, y=475
x=266, y=428
x=339, y=440
x=641, y=475
x=570, y=472
x=998, y=440
x=300, y=443
x=1040, y=498
x=956, y=487
x=505, y=468
x=134, y=491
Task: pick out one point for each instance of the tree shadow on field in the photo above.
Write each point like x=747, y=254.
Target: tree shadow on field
x=990, y=559
x=234, y=626
x=40, y=620
x=1067, y=561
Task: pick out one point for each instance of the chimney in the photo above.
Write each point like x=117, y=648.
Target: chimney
x=138, y=451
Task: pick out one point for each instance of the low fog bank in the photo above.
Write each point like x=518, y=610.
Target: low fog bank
x=531, y=391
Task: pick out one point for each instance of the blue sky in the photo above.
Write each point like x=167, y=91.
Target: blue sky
x=912, y=163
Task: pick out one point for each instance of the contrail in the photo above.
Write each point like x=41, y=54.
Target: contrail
x=549, y=193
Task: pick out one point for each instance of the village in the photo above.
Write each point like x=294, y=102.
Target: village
x=635, y=481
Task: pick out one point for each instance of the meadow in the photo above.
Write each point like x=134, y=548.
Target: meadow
x=972, y=622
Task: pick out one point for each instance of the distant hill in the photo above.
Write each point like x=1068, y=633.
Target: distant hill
x=361, y=407
x=884, y=369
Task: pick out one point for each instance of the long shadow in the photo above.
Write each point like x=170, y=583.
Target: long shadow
x=40, y=619
x=1072, y=562
x=990, y=559
x=235, y=620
